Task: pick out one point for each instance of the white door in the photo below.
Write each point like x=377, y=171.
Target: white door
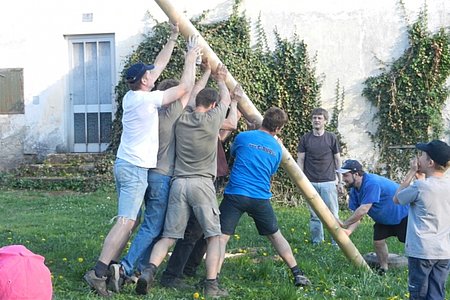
x=91, y=92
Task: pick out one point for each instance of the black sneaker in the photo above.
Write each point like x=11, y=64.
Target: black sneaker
x=380, y=271
x=301, y=280
x=189, y=272
x=145, y=280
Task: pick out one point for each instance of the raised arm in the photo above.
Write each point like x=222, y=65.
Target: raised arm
x=412, y=173
x=230, y=123
x=201, y=83
x=187, y=78
x=219, y=75
x=163, y=57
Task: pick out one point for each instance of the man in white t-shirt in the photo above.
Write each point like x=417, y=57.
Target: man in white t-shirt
x=138, y=149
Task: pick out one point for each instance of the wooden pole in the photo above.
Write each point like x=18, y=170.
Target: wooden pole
x=248, y=109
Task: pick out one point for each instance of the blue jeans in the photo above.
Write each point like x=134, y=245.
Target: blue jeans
x=328, y=193
x=155, y=200
x=427, y=278
x=131, y=184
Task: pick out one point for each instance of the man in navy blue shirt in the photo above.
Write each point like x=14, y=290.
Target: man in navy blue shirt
x=373, y=195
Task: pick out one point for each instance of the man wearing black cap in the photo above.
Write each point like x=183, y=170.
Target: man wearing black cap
x=373, y=195
x=138, y=150
x=428, y=235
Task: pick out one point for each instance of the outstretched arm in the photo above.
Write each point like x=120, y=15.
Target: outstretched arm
x=187, y=78
x=163, y=57
x=219, y=75
x=230, y=123
x=201, y=83
x=359, y=213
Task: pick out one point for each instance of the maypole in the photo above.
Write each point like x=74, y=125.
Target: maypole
x=248, y=109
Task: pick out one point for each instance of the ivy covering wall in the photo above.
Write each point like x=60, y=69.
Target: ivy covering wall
x=410, y=96
x=283, y=77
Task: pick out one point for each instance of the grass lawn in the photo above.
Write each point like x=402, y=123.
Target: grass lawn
x=68, y=229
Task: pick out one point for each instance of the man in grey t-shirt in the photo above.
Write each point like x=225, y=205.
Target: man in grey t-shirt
x=319, y=158
x=428, y=235
x=192, y=188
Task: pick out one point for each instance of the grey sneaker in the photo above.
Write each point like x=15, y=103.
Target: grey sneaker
x=116, y=278
x=301, y=280
x=212, y=289
x=96, y=283
x=145, y=280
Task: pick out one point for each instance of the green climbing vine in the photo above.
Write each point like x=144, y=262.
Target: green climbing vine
x=410, y=96
x=336, y=112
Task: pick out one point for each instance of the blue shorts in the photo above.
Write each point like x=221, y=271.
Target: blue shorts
x=131, y=184
x=233, y=206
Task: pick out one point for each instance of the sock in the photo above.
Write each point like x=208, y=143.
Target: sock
x=113, y=262
x=296, y=271
x=101, y=269
x=152, y=267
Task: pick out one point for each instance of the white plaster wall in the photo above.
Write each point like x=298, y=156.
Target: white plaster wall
x=345, y=35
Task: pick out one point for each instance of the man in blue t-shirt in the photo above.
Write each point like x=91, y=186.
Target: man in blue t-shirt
x=257, y=157
x=373, y=195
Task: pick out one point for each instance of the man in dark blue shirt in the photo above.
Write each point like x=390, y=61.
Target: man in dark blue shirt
x=373, y=195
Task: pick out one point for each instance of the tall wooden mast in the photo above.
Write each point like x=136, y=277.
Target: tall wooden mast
x=248, y=109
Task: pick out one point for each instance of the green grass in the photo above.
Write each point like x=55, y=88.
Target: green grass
x=68, y=229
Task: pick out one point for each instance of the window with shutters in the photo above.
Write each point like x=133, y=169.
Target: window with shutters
x=11, y=91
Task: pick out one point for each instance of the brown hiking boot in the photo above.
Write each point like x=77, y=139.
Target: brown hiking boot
x=97, y=283
x=212, y=289
x=145, y=280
